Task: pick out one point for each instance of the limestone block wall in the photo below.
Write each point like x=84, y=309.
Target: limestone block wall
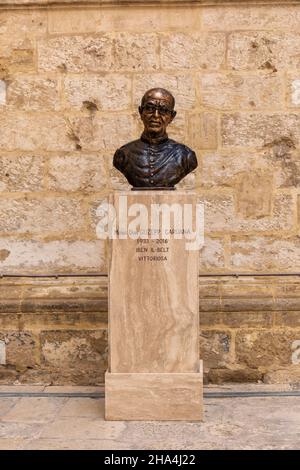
x=54, y=331
x=71, y=77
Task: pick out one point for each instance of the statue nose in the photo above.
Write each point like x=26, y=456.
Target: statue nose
x=156, y=113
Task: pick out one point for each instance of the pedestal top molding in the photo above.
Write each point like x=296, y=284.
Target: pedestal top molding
x=117, y=3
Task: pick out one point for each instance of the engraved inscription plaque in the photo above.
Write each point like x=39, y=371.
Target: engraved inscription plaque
x=154, y=368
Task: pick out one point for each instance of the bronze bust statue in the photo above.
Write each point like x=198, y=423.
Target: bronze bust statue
x=154, y=161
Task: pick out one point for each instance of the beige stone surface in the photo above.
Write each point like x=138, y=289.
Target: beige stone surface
x=212, y=255
x=74, y=389
x=223, y=168
x=262, y=253
x=216, y=349
x=255, y=189
x=75, y=20
x=17, y=54
x=61, y=316
x=56, y=256
x=193, y=51
x=69, y=444
x=117, y=180
x=99, y=54
x=22, y=173
x=290, y=319
x=181, y=85
x=19, y=430
x=246, y=319
x=258, y=130
x=267, y=51
x=76, y=427
x=293, y=85
x=277, y=161
x=146, y=397
x=110, y=19
x=34, y=411
x=15, y=22
x=177, y=131
x=33, y=133
x=21, y=348
x=283, y=375
x=78, y=349
x=88, y=173
x=249, y=17
x=39, y=215
x=230, y=423
x=6, y=404
x=223, y=216
x=260, y=349
x=63, y=288
x=19, y=389
x=10, y=444
x=110, y=92
x=82, y=407
x=94, y=133
x=236, y=91
x=75, y=54
x=33, y=93
x=129, y=52
x=203, y=130
x=153, y=331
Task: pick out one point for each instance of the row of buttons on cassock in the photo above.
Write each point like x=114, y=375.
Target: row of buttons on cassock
x=151, y=164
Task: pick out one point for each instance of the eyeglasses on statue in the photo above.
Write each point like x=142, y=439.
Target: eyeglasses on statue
x=150, y=108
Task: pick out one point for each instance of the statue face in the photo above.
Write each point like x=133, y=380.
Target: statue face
x=157, y=112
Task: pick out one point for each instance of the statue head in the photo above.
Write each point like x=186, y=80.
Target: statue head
x=154, y=161
x=157, y=111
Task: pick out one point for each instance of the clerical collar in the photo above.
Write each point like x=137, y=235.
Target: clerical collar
x=157, y=140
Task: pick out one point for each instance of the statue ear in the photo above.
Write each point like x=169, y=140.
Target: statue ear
x=140, y=110
x=173, y=115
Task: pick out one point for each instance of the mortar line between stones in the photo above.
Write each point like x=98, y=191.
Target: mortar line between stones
x=229, y=274
x=208, y=395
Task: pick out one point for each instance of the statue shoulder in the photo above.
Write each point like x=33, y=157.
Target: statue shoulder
x=188, y=155
x=181, y=147
x=129, y=145
x=120, y=156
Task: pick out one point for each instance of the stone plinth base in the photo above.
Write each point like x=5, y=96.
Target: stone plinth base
x=153, y=311
x=158, y=396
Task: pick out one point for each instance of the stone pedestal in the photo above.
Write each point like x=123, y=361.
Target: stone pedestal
x=154, y=368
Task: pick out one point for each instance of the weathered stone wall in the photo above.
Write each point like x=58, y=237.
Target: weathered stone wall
x=71, y=78
x=55, y=330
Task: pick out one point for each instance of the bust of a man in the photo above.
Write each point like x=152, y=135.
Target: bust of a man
x=154, y=161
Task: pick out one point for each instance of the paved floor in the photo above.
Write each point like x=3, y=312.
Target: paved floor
x=55, y=422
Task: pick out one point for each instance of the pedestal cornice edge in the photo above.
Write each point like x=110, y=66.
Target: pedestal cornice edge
x=117, y=3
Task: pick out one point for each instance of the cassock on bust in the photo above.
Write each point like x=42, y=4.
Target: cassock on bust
x=162, y=164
